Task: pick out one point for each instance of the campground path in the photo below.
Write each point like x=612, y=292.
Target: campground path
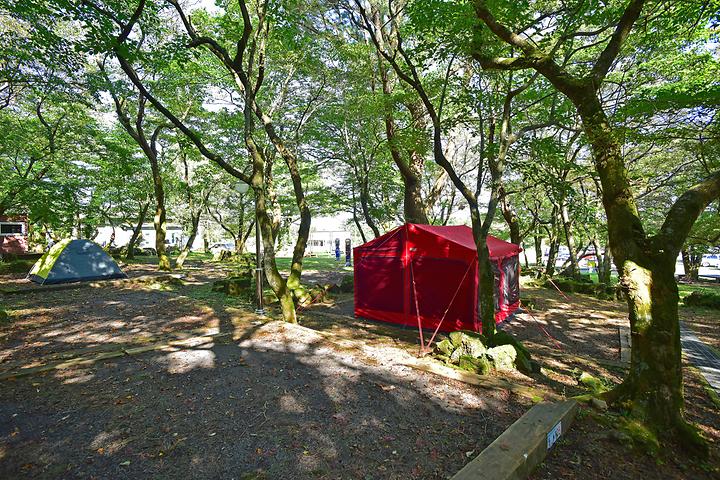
x=701, y=355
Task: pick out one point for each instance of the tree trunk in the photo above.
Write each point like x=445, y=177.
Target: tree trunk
x=486, y=289
x=160, y=219
x=242, y=237
x=653, y=385
x=413, y=204
x=276, y=281
x=603, y=277
x=552, y=255
x=691, y=265
x=263, y=217
x=365, y=207
x=537, y=242
x=569, y=241
x=411, y=171
x=195, y=223
x=130, y=253
x=511, y=219
x=356, y=220
x=607, y=264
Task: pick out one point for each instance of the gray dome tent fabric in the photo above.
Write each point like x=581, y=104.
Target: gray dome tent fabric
x=75, y=261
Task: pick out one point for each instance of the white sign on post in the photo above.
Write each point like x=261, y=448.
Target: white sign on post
x=553, y=435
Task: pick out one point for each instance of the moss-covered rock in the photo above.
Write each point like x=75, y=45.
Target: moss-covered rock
x=591, y=382
x=504, y=338
x=4, y=317
x=470, y=351
x=480, y=365
x=503, y=357
x=235, y=286
x=455, y=355
x=444, y=347
x=456, y=338
x=523, y=363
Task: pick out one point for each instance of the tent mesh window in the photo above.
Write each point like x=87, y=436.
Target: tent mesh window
x=511, y=284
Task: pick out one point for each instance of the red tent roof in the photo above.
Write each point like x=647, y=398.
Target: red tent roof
x=460, y=234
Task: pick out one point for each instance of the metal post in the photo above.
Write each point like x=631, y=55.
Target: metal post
x=258, y=267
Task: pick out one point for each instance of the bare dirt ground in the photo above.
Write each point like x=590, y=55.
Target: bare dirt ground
x=241, y=398
x=220, y=393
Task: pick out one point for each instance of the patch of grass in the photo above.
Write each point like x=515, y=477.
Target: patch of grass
x=594, y=277
x=685, y=289
x=205, y=294
x=141, y=259
x=16, y=266
x=321, y=262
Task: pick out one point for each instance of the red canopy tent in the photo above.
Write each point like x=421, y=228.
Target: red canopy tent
x=425, y=275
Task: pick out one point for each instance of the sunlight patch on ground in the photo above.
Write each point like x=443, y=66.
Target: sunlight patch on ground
x=184, y=361
x=325, y=449
x=108, y=443
x=289, y=403
x=70, y=377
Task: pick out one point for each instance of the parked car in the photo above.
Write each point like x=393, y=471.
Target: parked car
x=216, y=247
x=710, y=260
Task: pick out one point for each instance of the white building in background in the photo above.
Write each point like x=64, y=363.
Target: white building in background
x=174, y=236
x=321, y=241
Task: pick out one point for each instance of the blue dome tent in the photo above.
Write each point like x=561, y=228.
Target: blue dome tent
x=74, y=261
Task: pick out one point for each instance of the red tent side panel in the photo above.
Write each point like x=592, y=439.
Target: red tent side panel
x=380, y=278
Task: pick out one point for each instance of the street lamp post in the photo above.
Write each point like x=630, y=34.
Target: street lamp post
x=243, y=187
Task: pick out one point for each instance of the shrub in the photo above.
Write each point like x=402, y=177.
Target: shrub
x=583, y=285
x=703, y=299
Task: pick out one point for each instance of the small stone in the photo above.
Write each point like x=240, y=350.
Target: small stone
x=503, y=357
x=444, y=346
x=591, y=382
x=599, y=404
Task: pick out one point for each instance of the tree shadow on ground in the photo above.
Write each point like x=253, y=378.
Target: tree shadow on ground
x=257, y=401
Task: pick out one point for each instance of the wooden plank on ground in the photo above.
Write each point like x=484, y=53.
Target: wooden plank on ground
x=96, y=284
x=89, y=360
x=523, y=446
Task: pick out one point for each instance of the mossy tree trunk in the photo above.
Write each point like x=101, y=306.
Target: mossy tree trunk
x=248, y=78
x=160, y=218
x=194, y=225
x=653, y=386
x=511, y=218
x=647, y=274
x=691, y=264
x=130, y=253
x=136, y=129
x=569, y=241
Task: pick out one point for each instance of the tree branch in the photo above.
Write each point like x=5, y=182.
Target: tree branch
x=685, y=211
x=622, y=30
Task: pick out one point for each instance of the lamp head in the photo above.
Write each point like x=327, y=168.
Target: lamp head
x=242, y=187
